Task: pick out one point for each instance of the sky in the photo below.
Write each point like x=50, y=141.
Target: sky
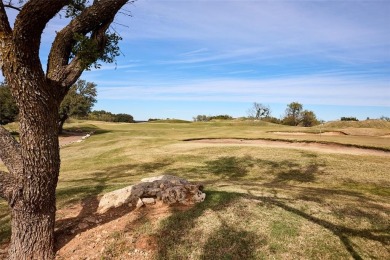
x=183, y=58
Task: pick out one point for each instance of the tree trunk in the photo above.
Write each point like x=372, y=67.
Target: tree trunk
x=61, y=121
x=32, y=233
x=33, y=213
x=33, y=166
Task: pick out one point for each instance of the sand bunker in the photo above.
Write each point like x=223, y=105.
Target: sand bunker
x=316, y=147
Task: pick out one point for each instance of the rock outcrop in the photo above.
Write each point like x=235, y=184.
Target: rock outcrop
x=166, y=188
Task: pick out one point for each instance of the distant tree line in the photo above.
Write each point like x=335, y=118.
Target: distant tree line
x=204, y=118
x=82, y=96
x=294, y=115
x=77, y=104
x=102, y=115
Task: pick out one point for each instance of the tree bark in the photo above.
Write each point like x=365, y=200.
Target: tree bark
x=34, y=162
x=32, y=233
x=61, y=121
x=33, y=210
x=10, y=153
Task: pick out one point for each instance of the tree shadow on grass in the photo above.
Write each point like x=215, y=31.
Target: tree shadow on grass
x=288, y=172
x=85, y=129
x=230, y=242
x=87, y=218
x=287, y=177
x=175, y=227
x=343, y=233
x=227, y=242
x=229, y=166
x=99, y=181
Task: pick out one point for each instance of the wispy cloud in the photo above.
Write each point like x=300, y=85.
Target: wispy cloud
x=350, y=26
x=116, y=67
x=316, y=89
x=207, y=57
x=195, y=52
x=315, y=52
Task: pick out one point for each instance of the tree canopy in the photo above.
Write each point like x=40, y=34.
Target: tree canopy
x=78, y=102
x=293, y=112
x=308, y=118
x=295, y=116
x=204, y=118
x=259, y=111
x=102, y=115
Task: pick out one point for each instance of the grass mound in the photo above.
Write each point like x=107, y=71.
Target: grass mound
x=371, y=123
x=172, y=121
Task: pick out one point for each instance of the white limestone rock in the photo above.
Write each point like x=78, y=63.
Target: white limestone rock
x=114, y=199
x=167, y=188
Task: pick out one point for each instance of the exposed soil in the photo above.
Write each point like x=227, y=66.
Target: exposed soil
x=118, y=234
x=82, y=233
x=316, y=147
x=70, y=137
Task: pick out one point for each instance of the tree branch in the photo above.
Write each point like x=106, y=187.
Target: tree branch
x=7, y=186
x=13, y=7
x=5, y=35
x=93, y=19
x=10, y=152
x=26, y=36
x=75, y=68
x=5, y=28
x=33, y=17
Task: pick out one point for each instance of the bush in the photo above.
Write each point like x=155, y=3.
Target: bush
x=308, y=118
x=221, y=117
x=204, y=118
x=348, y=119
x=271, y=119
x=124, y=118
x=101, y=115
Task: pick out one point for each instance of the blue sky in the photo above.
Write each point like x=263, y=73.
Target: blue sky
x=190, y=57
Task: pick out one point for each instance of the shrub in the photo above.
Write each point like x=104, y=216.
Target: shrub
x=348, y=119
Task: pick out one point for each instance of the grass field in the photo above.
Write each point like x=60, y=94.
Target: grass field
x=262, y=202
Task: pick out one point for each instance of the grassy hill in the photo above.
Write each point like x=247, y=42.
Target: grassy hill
x=370, y=123
x=372, y=127
x=262, y=202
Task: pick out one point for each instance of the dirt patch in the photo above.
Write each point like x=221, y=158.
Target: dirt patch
x=121, y=233
x=118, y=234
x=71, y=137
x=316, y=147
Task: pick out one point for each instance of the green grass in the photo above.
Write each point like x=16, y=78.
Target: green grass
x=262, y=203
